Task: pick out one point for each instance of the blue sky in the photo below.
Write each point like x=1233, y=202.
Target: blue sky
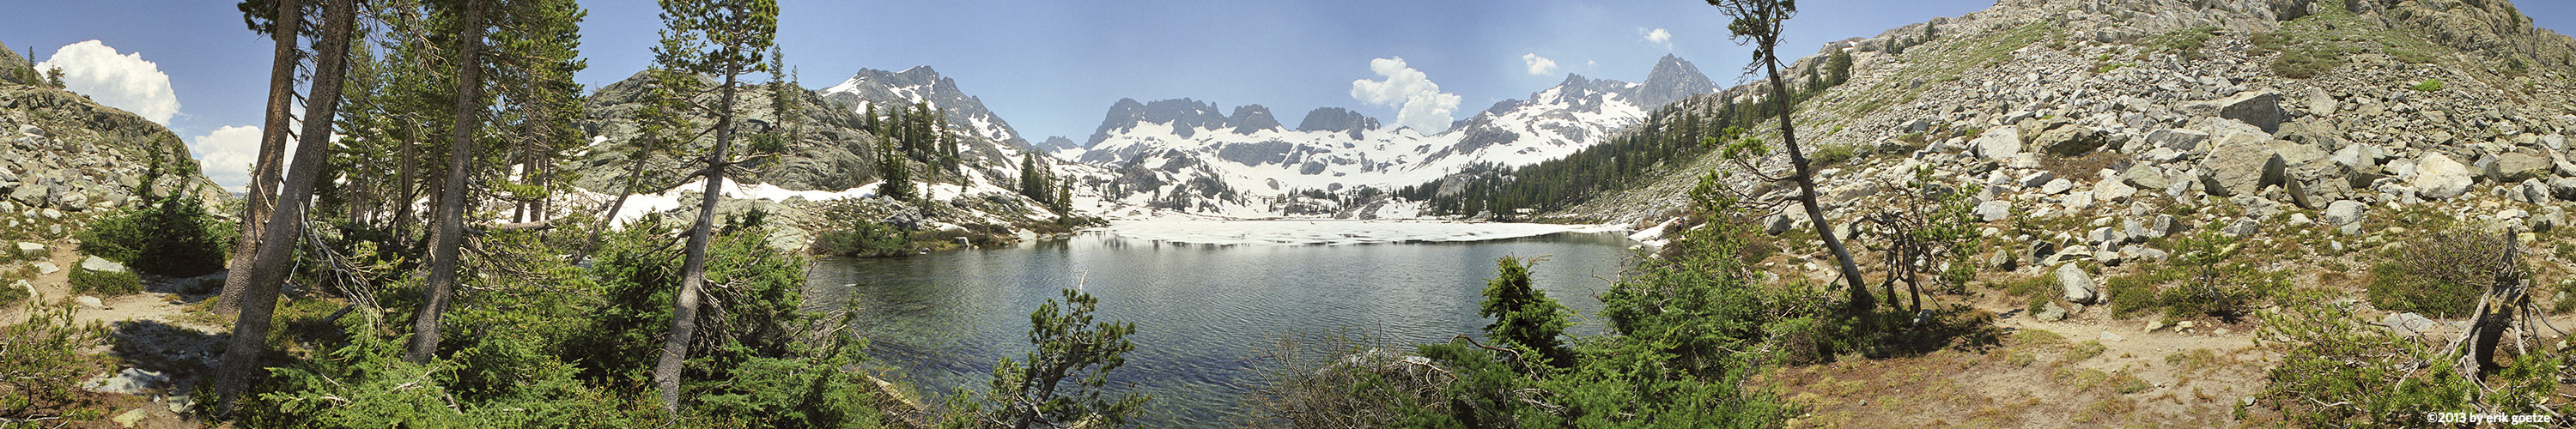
x=1049, y=67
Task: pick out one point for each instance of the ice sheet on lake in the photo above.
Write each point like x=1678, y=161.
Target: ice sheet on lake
x=1331, y=232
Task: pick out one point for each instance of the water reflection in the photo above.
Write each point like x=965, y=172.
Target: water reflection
x=1204, y=313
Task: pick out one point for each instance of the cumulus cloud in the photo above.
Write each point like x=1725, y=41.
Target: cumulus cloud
x=1658, y=37
x=1539, y=65
x=227, y=153
x=1418, y=102
x=121, y=81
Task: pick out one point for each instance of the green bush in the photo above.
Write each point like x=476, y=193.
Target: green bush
x=2440, y=274
x=2429, y=85
x=105, y=284
x=861, y=241
x=2213, y=282
x=1524, y=316
x=2306, y=61
x=1061, y=383
x=2337, y=371
x=1832, y=154
x=43, y=354
x=2131, y=294
x=171, y=236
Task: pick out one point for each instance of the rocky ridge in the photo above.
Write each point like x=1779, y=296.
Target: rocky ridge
x=835, y=160
x=2096, y=115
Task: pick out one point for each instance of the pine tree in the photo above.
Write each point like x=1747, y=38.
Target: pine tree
x=1758, y=22
x=726, y=38
x=286, y=226
x=265, y=18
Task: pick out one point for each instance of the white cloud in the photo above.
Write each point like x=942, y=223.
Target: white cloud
x=1658, y=36
x=120, y=81
x=1539, y=65
x=227, y=153
x=1418, y=102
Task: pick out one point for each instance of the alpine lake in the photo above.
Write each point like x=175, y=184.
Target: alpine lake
x=1210, y=319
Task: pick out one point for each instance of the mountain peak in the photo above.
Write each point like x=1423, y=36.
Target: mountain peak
x=1673, y=79
x=1337, y=119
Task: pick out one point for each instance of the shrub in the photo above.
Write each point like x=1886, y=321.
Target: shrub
x=861, y=239
x=109, y=284
x=2439, y=274
x=2429, y=85
x=172, y=236
x=2306, y=61
x=1832, y=154
x=1070, y=348
x=42, y=355
x=2131, y=294
x=2338, y=371
x=1524, y=316
x=2213, y=282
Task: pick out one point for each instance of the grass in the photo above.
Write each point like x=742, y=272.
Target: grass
x=2085, y=350
x=2429, y=85
x=1832, y=154
x=105, y=284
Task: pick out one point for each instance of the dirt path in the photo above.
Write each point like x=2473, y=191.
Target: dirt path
x=155, y=344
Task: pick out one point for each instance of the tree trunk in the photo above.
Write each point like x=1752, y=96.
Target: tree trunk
x=610, y=219
x=693, y=271
x=272, y=147
x=450, y=224
x=259, y=301
x=405, y=182
x=1861, y=302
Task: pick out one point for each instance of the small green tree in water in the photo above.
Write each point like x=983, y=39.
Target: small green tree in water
x=1032, y=393
x=1524, y=316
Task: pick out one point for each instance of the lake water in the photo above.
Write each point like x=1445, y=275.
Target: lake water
x=1205, y=314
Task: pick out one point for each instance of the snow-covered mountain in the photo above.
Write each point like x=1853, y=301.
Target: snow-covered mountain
x=1190, y=155
x=884, y=90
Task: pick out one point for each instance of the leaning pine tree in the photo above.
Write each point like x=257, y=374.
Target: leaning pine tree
x=725, y=38
x=1758, y=22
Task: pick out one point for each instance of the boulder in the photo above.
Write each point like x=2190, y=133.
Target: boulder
x=26, y=249
x=89, y=301
x=2564, y=188
x=2078, y=285
x=2071, y=141
x=2051, y=312
x=2320, y=103
x=2261, y=109
x=2242, y=227
x=2110, y=190
x=2409, y=324
x=2344, y=212
x=2242, y=164
x=2002, y=142
x=2036, y=179
x=2437, y=177
x=98, y=264
x=2177, y=138
x=2145, y=177
x=2054, y=187
x=2519, y=166
x=1991, y=211
x=43, y=267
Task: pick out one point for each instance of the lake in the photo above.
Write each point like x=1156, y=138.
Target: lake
x=1205, y=314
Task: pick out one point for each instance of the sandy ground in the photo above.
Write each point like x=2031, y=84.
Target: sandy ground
x=152, y=330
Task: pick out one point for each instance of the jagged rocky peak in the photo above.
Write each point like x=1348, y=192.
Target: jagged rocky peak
x=1252, y=118
x=1185, y=116
x=880, y=89
x=1337, y=119
x=1672, y=80
x=1056, y=143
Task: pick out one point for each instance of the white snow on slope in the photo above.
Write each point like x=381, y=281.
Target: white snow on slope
x=1332, y=232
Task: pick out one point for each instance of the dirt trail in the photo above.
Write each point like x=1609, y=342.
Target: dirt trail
x=152, y=331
